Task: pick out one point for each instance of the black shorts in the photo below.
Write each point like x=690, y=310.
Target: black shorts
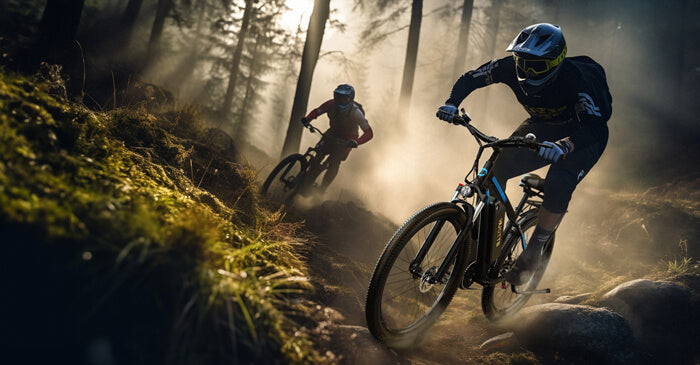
x=562, y=176
x=330, y=145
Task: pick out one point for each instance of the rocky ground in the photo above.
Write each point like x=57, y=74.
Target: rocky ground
x=616, y=315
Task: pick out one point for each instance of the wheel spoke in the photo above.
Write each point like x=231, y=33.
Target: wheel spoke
x=407, y=298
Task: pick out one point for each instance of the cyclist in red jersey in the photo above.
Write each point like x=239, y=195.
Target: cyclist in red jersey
x=345, y=115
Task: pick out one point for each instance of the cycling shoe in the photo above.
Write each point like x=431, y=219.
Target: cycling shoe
x=524, y=267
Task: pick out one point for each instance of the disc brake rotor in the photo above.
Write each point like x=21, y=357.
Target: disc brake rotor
x=425, y=284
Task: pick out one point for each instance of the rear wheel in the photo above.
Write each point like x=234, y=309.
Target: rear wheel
x=402, y=303
x=499, y=301
x=285, y=178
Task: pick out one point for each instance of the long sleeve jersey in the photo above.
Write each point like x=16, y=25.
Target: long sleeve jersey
x=579, y=92
x=345, y=124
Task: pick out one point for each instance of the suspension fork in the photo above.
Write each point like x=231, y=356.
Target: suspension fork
x=451, y=254
x=425, y=247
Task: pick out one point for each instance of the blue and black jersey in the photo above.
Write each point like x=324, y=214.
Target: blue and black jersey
x=579, y=93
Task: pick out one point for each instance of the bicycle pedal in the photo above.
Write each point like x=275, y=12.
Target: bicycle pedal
x=528, y=292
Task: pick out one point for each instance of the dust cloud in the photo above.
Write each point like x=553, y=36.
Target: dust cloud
x=419, y=160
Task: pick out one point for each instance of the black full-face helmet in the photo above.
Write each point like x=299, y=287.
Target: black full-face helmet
x=539, y=51
x=343, y=95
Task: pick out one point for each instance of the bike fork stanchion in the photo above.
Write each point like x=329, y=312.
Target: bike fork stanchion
x=449, y=258
x=415, y=264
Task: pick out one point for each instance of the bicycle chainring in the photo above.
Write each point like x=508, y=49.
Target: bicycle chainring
x=468, y=278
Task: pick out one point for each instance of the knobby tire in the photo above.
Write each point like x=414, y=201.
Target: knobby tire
x=499, y=301
x=387, y=318
x=276, y=186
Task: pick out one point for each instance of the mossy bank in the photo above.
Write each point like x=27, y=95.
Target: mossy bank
x=114, y=250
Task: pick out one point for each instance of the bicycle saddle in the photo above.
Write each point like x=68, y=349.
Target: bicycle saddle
x=533, y=181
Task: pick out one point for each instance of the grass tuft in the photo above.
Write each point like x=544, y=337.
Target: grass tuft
x=683, y=266
x=117, y=242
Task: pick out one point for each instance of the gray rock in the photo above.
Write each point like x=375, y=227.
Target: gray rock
x=576, y=332
x=506, y=343
x=660, y=315
x=573, y=299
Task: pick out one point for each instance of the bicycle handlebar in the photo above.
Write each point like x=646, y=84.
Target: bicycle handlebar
x=529, y=141
x=338, y=139
x=314, y=129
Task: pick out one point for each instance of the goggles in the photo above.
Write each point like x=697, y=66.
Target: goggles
x=535, y=69
x=342, y=99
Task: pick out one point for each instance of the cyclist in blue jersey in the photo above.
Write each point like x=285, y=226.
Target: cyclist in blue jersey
x=569, y=105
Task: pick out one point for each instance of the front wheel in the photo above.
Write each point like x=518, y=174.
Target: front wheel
x=499, y=301
x=404, y=300
x=282, y=183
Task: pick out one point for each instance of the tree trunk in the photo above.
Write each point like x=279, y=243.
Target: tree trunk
x=57, y=41
x=162, y=12
x=126, y=25
x=59, y=24
x=244, y=118
x=678, y=26
x=235, y=64
x=492, y=26
x=463, y=36
x=312, y=47
x=184, y=71
x=409, y=67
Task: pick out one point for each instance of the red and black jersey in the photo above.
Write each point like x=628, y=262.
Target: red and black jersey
x=345, y=123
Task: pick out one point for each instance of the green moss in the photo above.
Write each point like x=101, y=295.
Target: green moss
x=166, y=271
x=518, y=358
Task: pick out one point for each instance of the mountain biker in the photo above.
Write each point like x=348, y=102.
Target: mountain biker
x=569, y=105
x=345, y=115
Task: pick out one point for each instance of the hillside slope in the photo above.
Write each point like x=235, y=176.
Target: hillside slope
x=115, y=248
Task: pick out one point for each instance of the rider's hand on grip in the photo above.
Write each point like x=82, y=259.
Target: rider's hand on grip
x=352, y=143
x=552, y=152
x=447, y=113
x=305, y=121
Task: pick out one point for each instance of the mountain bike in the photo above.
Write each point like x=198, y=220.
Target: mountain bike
x=297, y=173
x=432, y=254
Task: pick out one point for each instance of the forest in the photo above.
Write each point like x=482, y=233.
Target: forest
x=139, y=133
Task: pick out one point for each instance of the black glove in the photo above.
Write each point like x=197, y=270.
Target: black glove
x=305, y=121
x=352, y=143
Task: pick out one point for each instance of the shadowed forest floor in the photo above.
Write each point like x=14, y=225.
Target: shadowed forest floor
x=630, y=240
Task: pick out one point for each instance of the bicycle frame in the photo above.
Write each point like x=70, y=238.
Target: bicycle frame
x=486, y=229
x=316, y=161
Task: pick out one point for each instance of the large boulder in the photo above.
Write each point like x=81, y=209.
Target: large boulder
x=660, y=314
x=576, y=332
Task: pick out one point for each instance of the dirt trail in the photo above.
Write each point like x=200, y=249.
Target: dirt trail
x=594, y=253
x=351, y=240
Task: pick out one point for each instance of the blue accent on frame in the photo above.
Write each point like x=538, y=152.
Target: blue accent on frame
x=483, y=171
x=524, y=243
x=500, y=190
